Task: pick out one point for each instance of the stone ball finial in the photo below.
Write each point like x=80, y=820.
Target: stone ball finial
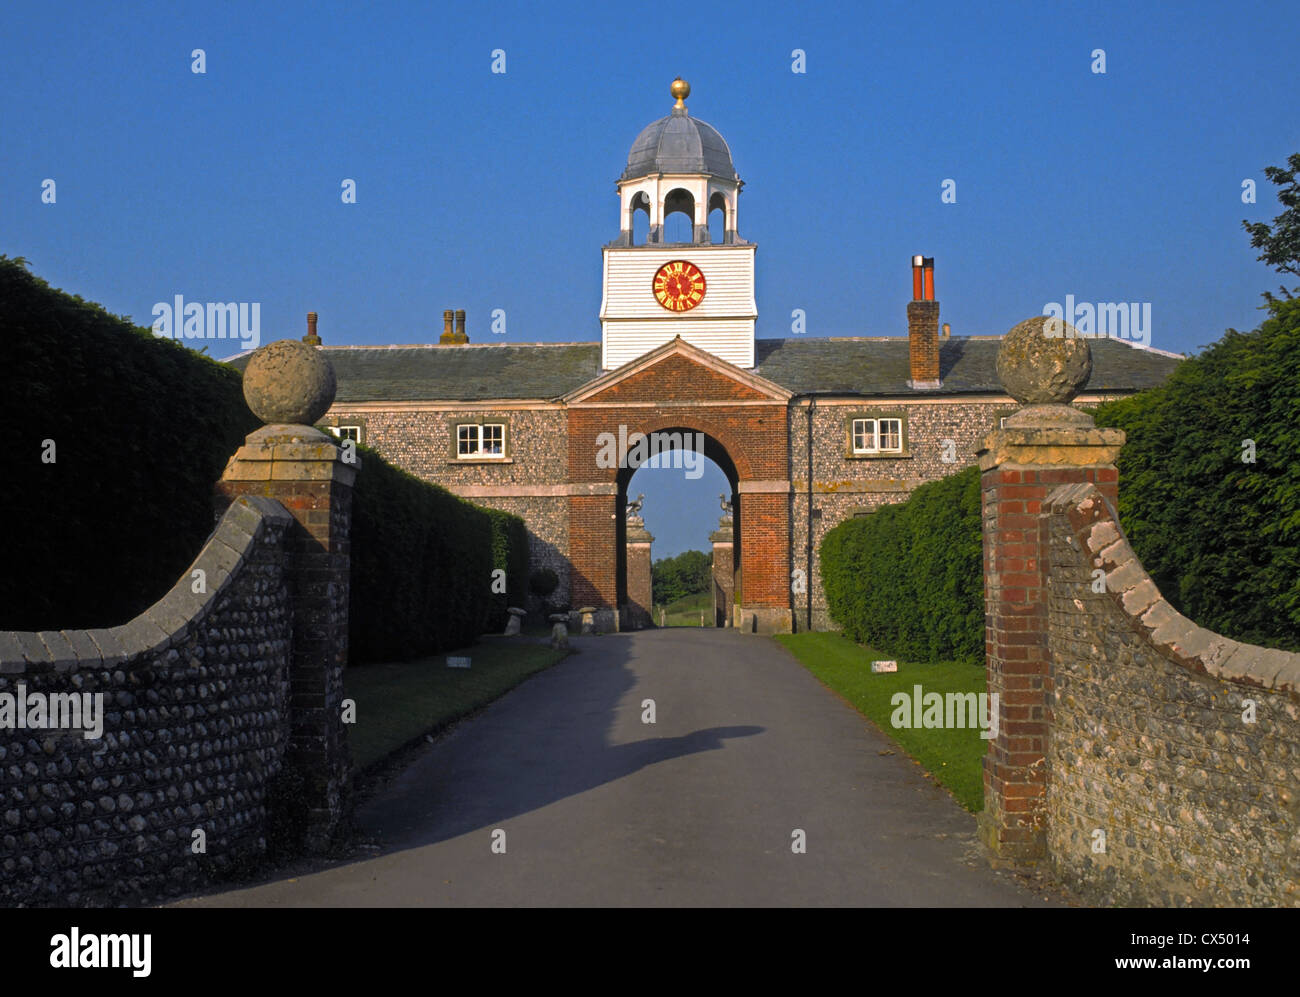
x=1044, y=361
x=289, y=382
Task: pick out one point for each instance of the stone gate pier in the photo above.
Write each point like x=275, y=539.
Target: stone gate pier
x=640, y=584
x=1147, y=760
x=290, y=385
x=207, y=729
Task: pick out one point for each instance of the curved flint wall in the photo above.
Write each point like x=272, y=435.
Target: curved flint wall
x=193, y=699
x=1174, y=753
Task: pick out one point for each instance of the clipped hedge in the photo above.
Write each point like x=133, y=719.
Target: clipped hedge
x=142, y=429
x=509, y=554
x=908, y=579
x=1210, y=481
x=422, y=562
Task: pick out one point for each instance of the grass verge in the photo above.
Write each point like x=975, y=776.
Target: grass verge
x=685, y=612
x=953, y=757
x=399, y=702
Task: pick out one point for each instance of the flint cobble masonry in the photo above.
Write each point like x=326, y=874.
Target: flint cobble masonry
x=1150, y=742
x=554, y=401
x=1147, y=760
x=530, y=482
x=195, y=733
x=939, y=440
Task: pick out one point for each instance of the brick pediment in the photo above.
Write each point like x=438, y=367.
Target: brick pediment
x=677, y=372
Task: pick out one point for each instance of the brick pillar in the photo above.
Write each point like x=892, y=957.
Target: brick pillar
x=1041, y=448
x=593, y=542
x=640, y=587
x=304, y=471
x=290, y=385
x=724, y=572
x=764, y=582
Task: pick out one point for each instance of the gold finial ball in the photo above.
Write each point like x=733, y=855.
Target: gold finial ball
x=680, y=89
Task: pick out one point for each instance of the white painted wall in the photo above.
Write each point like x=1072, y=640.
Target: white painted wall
x=633, y=321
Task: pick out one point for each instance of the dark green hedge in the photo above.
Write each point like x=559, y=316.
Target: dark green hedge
x=422, y=562
x=908, y=579
x=1220, y=536
x=509, y=554
x=142, y=428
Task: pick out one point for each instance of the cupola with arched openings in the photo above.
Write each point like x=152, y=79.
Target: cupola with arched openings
x=678, y=265
x=679, y=164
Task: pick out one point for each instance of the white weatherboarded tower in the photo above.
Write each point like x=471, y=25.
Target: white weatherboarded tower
x=700, y=290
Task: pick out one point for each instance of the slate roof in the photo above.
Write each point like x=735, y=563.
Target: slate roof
x=459, y=373
x=876, y=366
x=967, y=365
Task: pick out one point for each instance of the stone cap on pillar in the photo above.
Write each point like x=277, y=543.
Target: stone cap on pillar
x=725, y=533
x=636, y=531
x=289, y=385
x=1043, y=363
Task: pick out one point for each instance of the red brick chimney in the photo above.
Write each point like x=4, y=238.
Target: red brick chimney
x=923, y=326
x=311, y=339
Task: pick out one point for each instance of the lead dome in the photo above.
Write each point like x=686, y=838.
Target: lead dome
x=678, y=143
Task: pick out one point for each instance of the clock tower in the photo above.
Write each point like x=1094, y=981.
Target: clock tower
x=693, y=287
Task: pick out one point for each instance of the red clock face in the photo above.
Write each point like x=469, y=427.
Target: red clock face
x=679, y=286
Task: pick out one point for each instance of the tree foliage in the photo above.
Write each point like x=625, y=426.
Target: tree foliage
x=1209, y=486
x=907, y=579
x=1281, y=240
x=689, y=573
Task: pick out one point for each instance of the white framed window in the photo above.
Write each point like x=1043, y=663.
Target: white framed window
x=481, y=440
x=352, y=433
x=877, y=436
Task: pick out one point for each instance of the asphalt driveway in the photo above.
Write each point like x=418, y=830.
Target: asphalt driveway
x=700, y=808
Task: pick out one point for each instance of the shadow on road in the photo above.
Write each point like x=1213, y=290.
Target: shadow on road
x=546, y=740
x=566, y=766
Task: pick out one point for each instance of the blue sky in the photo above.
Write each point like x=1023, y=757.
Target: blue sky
x=481, y=191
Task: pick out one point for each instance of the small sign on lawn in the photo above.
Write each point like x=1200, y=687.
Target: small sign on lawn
x=457, y=662
x=884, y=666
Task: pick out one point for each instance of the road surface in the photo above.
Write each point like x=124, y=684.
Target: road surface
x=595, y=807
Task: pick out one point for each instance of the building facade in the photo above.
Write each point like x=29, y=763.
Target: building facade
x=808, y=431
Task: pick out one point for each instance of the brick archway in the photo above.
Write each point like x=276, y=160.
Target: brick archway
x=712, y=449
x=745, y=426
